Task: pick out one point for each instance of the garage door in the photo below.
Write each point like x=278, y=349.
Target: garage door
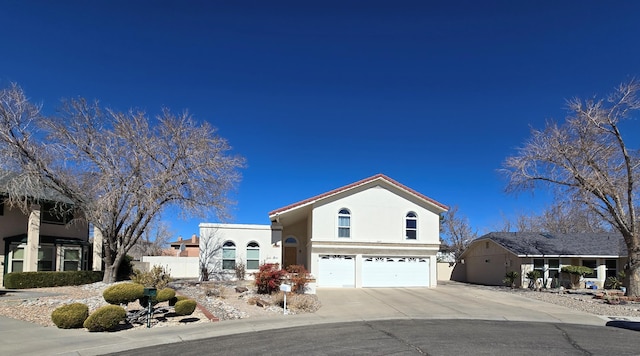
x=336, y=271
x=395, y=272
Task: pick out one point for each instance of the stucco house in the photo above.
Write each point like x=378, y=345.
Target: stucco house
x=490, y=256
x=42, y=240
x=372, y=233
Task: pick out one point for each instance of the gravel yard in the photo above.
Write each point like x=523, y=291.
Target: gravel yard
x=225, y=303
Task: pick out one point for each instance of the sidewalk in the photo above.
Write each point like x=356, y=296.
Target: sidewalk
x=339, y=305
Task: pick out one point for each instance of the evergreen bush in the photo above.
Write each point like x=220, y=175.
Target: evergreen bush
x=123, y=293
x=21, y=280
x=105, y=318
x=70, y=316
x=185, y=307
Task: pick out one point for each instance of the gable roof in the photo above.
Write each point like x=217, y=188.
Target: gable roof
x=552, y=244
x=377, y=177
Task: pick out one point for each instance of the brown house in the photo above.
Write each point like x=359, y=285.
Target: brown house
x=185, y=248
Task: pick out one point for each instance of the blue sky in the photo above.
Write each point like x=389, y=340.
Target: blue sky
x=319, y=94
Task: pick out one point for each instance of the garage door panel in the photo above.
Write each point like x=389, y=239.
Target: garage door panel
x=336, y=271
x=395, y=272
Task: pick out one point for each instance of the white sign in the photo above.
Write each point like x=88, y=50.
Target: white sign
x=285, y=288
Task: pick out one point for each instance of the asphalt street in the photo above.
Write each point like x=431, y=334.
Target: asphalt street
x=415, y=337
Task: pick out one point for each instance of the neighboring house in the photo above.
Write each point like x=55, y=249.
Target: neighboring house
x=373, y=233
x=42, y=240
x=184, y=248
x=489, y=257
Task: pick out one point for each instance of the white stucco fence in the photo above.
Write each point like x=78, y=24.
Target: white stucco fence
x=178, y=267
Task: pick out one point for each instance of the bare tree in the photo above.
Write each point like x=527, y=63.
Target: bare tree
x=559, y=217
x=457, y=231
x=588, y=161
x=153, y=241
x=120, y=169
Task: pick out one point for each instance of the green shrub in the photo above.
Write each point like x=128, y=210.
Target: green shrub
x=158, y=277
x=105, y=318
x=164, y=295
x=615, y=282
x=510, y=278
x=185, y=307
x=70, y=316
x=268, y=278
x=575, y=273
x=20, y=280
x=123, y=293
x=176, y=299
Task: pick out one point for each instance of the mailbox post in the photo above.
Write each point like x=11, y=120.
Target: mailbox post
x=285, y=288
x=149, y=294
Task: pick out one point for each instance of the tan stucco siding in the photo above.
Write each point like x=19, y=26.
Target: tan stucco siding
x=487, y=263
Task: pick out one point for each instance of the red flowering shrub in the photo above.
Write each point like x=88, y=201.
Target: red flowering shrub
x=299, y=276
x=268, y=278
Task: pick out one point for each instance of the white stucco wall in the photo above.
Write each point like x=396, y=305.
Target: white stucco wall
x=241, y=235
x=377, y=215
x=177, y=267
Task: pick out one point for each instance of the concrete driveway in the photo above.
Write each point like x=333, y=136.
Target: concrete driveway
x=450, y=300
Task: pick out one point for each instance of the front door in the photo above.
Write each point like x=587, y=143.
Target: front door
x=290, y=256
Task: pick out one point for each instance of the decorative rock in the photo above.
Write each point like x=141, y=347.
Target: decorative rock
x=240, y=289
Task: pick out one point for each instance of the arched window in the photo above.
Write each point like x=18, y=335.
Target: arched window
x=253, y=255
x=411, y=226
x=229, y=255
x=344, y=223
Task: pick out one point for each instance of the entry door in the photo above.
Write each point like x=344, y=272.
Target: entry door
x=290, y=256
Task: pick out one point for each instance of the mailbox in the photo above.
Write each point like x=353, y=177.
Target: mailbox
x=150, y=292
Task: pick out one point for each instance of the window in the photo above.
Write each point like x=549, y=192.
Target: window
x=229, y=256
x=611, y=267
x=554, y=268
x=411, y=226
x=593, y=264
x=344, y=223
x=538, y=265
x=17, y=260
x=71, y=259
x=45, y=259
x=253, y=255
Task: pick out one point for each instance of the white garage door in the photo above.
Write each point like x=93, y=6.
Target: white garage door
x=395, y=272
x=336, y=271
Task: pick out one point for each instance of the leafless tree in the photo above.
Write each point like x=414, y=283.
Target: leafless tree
x=153, y=241
x=559, y=217
x=121, y=169
x=457, y=231
x=588, y=161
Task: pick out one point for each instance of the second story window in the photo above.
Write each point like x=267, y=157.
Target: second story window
x=344, y=223
x=411, y=226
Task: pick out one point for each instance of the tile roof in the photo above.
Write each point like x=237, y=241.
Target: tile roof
x=355, y=184
x=537, y=244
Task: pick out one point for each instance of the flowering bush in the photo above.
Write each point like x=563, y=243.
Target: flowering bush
x=299, y=276
x=268, y=278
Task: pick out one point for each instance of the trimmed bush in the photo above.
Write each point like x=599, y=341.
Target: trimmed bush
x=177, y=298
x=575, y=273
x=20, y=280
x=105, y=318
x=185, y=307
x=70, y=316
x=164, y=295
x=123, y=293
